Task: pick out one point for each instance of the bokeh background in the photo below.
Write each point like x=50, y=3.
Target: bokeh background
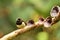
x=10, y=10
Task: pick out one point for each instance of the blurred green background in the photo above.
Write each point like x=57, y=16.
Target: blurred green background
x=10, y=10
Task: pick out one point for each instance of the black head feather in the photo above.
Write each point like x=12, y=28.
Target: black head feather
x=19, y=21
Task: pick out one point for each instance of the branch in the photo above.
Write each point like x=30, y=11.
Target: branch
x=18, y=31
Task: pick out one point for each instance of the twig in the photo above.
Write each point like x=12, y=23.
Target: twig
x=18, y=31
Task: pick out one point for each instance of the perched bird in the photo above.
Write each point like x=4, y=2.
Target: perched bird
x=55, y=11
x=48, y=22
x=30, y=22
x=41, y=20
x=20, y=23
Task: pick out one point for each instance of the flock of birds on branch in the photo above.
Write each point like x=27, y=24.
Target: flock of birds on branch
x=50, y=20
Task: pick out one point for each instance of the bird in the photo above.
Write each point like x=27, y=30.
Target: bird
x=20, y=23
x=55, y=11
x=30, y=22
x=41, y=20
x=48, y=22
